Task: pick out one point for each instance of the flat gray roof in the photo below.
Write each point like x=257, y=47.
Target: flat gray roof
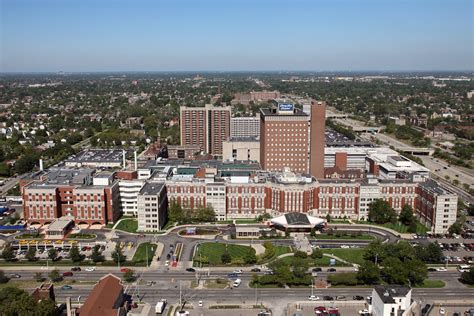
x=152, y=188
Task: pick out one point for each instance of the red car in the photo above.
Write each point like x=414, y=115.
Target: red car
x=67, y=274
x=123, y=270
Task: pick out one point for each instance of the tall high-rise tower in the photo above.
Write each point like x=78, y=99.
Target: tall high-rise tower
x=207, y=127
x=284, y=138
x=317, y=138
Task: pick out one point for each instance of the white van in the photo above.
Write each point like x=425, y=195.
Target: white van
x=464, y=268
x=237, y=283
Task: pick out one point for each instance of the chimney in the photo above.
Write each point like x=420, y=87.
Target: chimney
x=123, y=159
x=135, y=159
x=41, y=164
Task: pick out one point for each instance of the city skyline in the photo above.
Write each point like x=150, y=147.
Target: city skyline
x=87, y=36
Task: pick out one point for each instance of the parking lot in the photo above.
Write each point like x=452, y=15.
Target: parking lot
x=335, y=308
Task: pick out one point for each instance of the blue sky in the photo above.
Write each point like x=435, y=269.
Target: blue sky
x=224, y=35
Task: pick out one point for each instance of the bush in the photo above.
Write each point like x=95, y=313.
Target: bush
x=300, y=254
x=348, y=278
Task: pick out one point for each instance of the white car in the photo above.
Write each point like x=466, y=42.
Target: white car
x=313, y=298
x=167, y=263
x=200, y=303
x=345, y=246
x=442, y=311
x=90, y=269
x=238, y=271
x=441, y=269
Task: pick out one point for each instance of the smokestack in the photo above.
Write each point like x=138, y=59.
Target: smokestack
x=123, y=159
x=41, y=164
x=135, y=158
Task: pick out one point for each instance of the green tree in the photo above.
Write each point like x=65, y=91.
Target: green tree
x=300, y=254
x=416, y=270
x=129, y=275
x=26, y=162
x=96, y=255
x=226, y=258
x=406, y=215
x=432, y=253
x=46, y=308
x=369, y=273
x=8, y=253
x=455, y=228
x=31, y=254
x=55, y=276
x=53, y=254
x=317, y=254
x=117, y=254
x=401, y=250
x=394, y=272
x=250, y=258
x=205, y=214
x=176, y=213
x=375, y=251
x=380, y=212
x=75, y=254
x=468, y=276
x=16, y=302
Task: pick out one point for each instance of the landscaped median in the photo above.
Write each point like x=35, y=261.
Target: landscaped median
x=144, y=252
x=221, y=254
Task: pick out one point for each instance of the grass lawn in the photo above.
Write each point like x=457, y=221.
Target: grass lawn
x=428, y=283
x=129, y=225
x=280, y=250
x=141, y=252
x=322, y=262
x=213, y=252
x=345, y=236
x=354, y=255
x=82, y=236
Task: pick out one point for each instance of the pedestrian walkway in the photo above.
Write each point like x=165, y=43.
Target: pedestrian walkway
x=302, y=242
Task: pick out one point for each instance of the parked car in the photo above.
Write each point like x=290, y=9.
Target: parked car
x=67, y=274
x=191, y=270
x=317, y=270
x=328, y=298
x=124, y=270
x=90, y=269
x=238, y=271
x=67, y=287
x=76, y=269
x=256, y=270
x=331, y=270
x=358, y=298
x=313, y=298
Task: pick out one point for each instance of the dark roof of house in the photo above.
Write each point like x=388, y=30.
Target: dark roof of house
x=387, y=293
x=297, y=219
x=103, y=298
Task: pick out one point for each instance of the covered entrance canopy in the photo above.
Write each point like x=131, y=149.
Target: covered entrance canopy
x=297, y=222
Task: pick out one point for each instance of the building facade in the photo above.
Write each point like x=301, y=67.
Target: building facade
x=193, y=124
x=242, y=149
x=284, y=138
x=245, y=126
x=90, y=204
x=206, y=127
x=153, y=207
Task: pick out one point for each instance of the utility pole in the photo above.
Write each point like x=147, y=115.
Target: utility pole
x=179, y=294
